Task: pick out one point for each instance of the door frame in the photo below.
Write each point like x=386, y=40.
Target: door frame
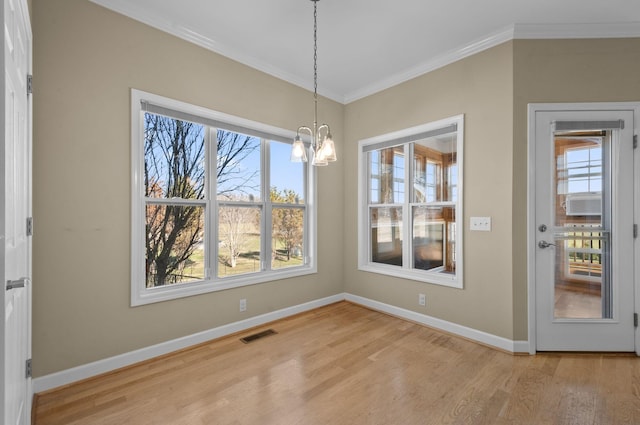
x=533, y=108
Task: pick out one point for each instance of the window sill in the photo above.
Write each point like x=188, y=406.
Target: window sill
x=145, y=296
x=417, y=275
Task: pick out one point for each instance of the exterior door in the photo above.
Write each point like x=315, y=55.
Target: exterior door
x=15, y=201
x=584, y=230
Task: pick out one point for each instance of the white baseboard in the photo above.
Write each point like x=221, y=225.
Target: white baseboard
x=65, y=377
x=89, y=370
x=453, y=328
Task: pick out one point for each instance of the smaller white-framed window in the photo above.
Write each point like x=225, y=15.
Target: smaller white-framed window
x=216, y=202
x=410, y=211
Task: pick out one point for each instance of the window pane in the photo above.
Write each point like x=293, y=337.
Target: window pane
x=386, y=175
x=238, y=167
x=238, y=240
x=287, y=178
x=174, y=158
x=386, y=235
x=436, y=173
x=434, y=238
x=174, y=244
x=288, y=237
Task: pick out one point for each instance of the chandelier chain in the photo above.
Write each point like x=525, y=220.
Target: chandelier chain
x=315, y=59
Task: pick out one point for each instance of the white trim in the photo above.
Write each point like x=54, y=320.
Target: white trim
x=89, y=370
x=364, y=243
x=531, y=233
x=443, y=325
x=440, y=61
x=636, y=215
x=146, y=16
x=515, y=31
x=572, y=31
x=531, y=201
x=141, y=295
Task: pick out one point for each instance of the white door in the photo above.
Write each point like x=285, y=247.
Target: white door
x=15, y=201
x=584, y=230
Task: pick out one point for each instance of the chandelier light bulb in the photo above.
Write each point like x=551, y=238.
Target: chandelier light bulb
x=298, y=151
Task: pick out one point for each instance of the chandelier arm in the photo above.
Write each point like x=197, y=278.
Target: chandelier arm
x=304, y=128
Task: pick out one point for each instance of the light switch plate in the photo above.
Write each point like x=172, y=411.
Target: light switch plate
x=481, y=224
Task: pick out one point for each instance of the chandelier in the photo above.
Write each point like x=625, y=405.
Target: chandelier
x=322, y=146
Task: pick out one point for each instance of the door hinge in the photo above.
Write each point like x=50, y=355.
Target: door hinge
x=635, y=141
x=28, y=368
x=29, y=84
x=635, y=231
x=635, y=320
x=29, y=226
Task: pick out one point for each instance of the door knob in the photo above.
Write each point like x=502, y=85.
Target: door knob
x=545, y=244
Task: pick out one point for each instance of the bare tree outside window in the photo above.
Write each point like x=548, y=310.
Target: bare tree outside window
x=237, y=230
x=174, y=184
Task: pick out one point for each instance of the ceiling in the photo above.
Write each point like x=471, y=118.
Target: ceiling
x=365, y=46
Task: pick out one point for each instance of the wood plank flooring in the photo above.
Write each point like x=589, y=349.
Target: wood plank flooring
x=345, y=364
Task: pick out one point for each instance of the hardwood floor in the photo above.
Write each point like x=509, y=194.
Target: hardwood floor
x=345, y=364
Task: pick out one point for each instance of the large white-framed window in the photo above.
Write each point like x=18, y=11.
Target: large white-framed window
x=216, y=202
x=410, y=211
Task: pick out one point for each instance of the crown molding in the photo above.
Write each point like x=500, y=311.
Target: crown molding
x=441, y=61
x=129, y=9
x=516, y=31
x=559, y=31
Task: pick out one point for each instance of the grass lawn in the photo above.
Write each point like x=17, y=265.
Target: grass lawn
x=247, y=262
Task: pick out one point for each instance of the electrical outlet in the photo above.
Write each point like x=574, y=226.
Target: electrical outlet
x=422, y=299
x=482, y=224
x=243, y=304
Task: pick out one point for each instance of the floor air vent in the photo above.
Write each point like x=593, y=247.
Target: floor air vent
x=251, y=338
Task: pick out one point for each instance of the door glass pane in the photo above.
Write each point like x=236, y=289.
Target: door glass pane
x=386, y=235
x=582, y=287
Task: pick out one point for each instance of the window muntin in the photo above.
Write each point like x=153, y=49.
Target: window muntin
x=174, y=188
x=216, y=202
x=411, y=211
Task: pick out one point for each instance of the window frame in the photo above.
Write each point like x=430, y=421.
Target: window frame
x=406, y=138
x=140, y=294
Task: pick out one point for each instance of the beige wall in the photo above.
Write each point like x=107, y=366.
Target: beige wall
x=492, y=89
x=86, y=59
x=480, y=87
x=560, y=71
